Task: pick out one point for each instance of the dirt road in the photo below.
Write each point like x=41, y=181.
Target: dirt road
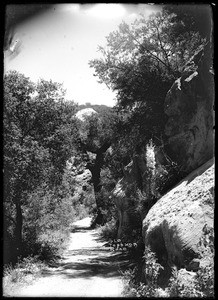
x=87, y=269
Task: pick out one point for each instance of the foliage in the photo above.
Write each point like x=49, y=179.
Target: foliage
x=191, y=17
x=201, y=285
x=119, y=156
x=108, y=231
x=96, y=130
x=39, y=136
x=106, y=203
x=203, y=282
x=46, y=220
x=153, y=44
x=205, y=276
x=140, y=62
x=151, y=271
x=96, y=134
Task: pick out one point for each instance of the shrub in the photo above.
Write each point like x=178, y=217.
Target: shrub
x=205, y=281
x=104, y=199
x=149, y=288
x=182, y=288
x=47, y=218
x=205, y=276
x=109, y=230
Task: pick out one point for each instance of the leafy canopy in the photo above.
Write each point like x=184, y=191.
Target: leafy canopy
x=140, y=62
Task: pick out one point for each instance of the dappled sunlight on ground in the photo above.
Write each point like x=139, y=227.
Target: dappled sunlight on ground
x=87, y=268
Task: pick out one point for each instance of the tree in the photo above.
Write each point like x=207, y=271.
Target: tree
x=96, y=135
x=39, y=133
x=23, y=156
x=54, y=125
x=140, y=62
x=192, y=17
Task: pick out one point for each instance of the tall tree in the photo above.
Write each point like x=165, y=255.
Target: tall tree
x=140, y=62
x=38, y=135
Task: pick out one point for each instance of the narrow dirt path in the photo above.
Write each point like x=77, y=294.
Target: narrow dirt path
x=87, y=269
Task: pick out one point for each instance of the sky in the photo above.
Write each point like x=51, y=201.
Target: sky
x=58, y=43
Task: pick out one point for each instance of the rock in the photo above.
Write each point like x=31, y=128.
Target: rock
x=82, y=183
x=85, y=177
x=139, y=174
x=174, y=225
x=186, y=278
x=189, y=107
x=120, y=195
x=85, y=112
x=194, y=265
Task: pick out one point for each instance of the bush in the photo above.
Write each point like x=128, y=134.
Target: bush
x=201, y=285
x=47, y=218
x=203, y=282
x=109, y=230
x=135, y=288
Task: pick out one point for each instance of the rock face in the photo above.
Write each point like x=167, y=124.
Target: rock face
x=189, y=107
x=120, y=195
x=139, y=173
x=174, y=225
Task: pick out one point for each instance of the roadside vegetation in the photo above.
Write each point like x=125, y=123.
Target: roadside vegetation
x=42, y=135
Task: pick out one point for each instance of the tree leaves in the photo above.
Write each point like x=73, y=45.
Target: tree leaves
x=140, y=62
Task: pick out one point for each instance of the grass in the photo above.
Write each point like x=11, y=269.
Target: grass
x=47, y=248
x=24, y=272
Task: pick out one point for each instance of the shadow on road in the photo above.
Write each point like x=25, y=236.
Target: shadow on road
x=80, y=229
x=89, y=261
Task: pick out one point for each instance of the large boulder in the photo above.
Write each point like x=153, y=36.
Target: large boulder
x=189, y=107
x=174, y=225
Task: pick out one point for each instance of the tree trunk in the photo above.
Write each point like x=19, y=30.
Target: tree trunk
x=19, y=224
x=96, y=179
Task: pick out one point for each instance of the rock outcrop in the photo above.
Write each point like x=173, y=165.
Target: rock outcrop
x=189, y=107
x=174, y=225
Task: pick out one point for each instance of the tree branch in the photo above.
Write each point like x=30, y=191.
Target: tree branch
x=161, y=45
x=149, y=52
